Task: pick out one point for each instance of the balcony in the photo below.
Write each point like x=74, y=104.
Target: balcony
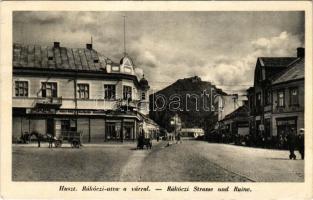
x=290, y=108
x=48, y=102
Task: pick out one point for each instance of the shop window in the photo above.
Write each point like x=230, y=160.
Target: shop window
x=83, y=91
x=294, y=96
x=109, y=92
x=21, y=88
x=281, y=98
x=127, y=92
x=49, y=89
x=112, y=130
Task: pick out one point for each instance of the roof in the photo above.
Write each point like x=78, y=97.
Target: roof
x=275, y=65
x=276, y=61
x=242, y=111
x=35, y=56
x=295, y=71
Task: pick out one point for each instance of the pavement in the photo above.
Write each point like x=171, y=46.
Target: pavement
x=257, y=164
x=189, y=161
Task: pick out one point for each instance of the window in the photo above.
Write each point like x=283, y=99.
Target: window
x=21, y=88
x=127, y=92
x=281, y=98
x=268, y=97
x=83, y=91
x=111, y=131
x=143, y=96
x=109, y=92
x=115, y=68
x=294, y=96
x=49, y=89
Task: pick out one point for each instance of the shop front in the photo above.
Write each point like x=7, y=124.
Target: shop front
x=94, y=127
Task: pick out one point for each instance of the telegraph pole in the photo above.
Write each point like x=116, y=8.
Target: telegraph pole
x=124, y=35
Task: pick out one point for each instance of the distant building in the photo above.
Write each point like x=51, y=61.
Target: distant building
x=58, y=89
x=228, y=104
x=236, y=122
x=276, y=101
x=191, y=132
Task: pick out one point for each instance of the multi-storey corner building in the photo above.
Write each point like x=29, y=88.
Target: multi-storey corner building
x=58, y=89
x=276, y=101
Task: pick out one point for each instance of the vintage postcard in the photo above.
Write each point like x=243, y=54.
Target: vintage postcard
x=156, y=100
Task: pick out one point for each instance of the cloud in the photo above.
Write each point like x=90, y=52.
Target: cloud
x=281, y=45
x=217, y=46
x=229, y=72
x=42, y=18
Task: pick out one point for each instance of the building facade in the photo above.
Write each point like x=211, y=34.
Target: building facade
x=236, y=123
x=58, y=89
x=276, y=101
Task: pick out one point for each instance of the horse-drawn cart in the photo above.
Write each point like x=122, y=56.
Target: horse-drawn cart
x=73, y=137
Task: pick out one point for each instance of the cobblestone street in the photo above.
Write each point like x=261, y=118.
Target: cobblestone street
x=189, y=161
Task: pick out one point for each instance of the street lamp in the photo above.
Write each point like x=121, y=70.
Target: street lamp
x=174, y=123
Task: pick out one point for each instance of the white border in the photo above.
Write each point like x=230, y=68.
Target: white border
x=41, y=190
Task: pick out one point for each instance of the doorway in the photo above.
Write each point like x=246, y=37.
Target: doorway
x=50, y=126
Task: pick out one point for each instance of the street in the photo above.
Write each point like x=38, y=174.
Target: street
x=190, y=161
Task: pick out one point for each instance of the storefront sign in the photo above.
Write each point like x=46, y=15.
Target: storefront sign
x=80, y=112
x=40, y=111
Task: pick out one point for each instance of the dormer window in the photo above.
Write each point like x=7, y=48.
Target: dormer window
x=126, y=65
x=143, y=96
x=96, y=61
x=115, y=68
x=128, y=69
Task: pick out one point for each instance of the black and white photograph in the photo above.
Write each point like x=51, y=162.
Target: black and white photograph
x=158, y=96
x=155, y=101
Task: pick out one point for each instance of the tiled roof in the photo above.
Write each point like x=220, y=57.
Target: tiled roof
x=276, y=61
x=34, y=56
x=294, y=71
x=275, y=65
x=242, y=111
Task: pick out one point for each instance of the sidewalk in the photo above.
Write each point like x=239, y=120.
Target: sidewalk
x=66, y=144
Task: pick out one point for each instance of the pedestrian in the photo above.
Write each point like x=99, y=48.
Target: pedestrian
x=178, y=138
x=291, y=140
x=280, y=142
x=38, y=139
x=50, y=140
x=301, y=143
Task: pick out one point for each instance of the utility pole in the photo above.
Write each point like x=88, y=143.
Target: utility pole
x=124, y=35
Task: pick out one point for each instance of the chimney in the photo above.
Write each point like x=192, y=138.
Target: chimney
x=56, y=44
x=300, y=52
x=89, y=46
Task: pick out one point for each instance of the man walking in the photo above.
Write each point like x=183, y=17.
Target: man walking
x=301, y=143
x=291, y=139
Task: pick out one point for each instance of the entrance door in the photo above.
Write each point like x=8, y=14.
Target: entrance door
x=128, y=130
x=65, y=128
x=50, y=127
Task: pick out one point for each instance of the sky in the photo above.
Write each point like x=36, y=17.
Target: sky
x=220, y=47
